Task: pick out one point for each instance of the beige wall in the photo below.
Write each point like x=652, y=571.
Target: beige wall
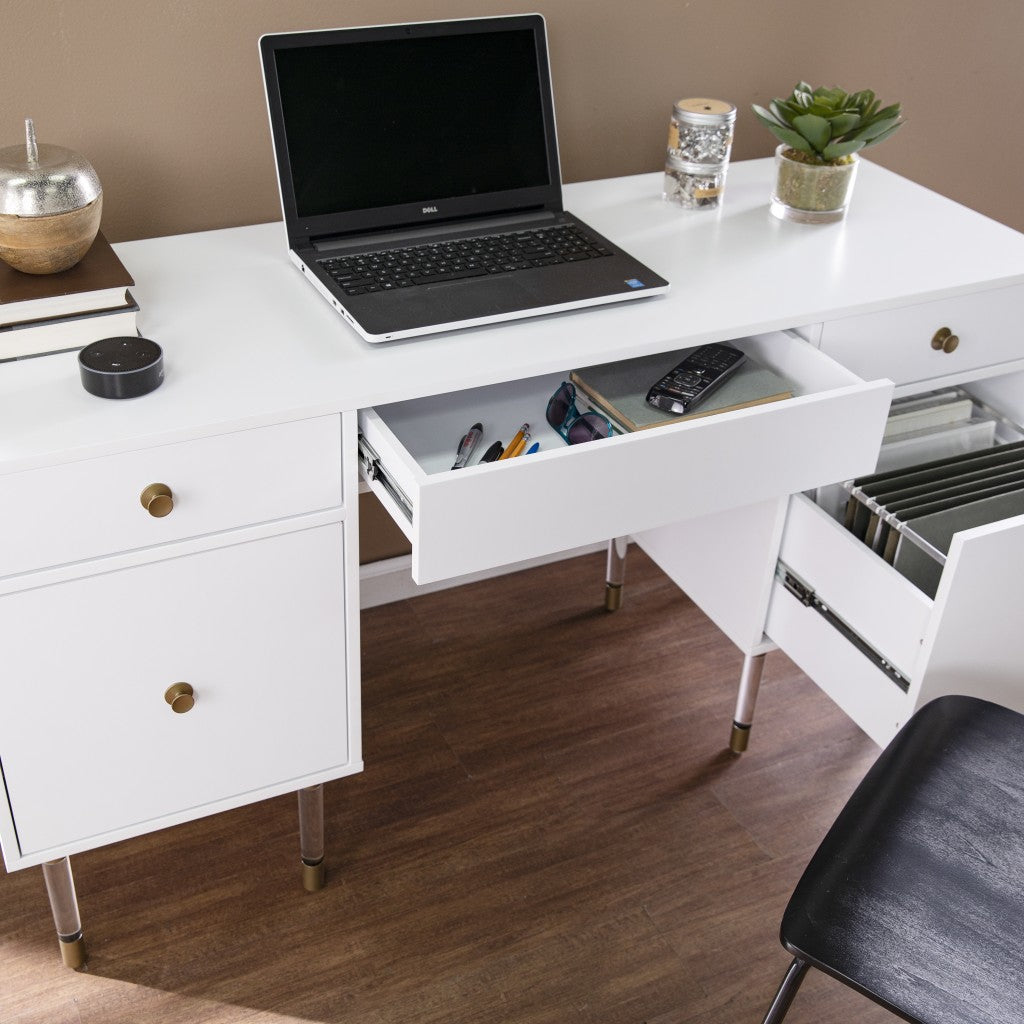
x=165, y=98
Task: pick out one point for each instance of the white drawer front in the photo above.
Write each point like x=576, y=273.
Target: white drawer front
x=863, y=691
x=898, y=343
x=562, y=496
x=84, y=509
x=88, y=743
x=868, y=594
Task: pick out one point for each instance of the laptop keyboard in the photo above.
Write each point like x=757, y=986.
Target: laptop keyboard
x=468, y=257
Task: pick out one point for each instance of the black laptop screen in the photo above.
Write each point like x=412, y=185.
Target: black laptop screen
x=381, y=123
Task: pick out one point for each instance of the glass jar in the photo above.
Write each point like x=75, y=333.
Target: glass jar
x=699, y=143
x=693, y=186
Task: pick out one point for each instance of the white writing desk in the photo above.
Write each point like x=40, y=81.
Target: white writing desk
x=248, y=591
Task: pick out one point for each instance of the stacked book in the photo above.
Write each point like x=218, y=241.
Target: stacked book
x=44, y=313
x=619, y=390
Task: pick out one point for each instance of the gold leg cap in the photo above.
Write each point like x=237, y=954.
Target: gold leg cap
x=612, y=597
x=739, y=738
x=313, y=876
x=72, y=952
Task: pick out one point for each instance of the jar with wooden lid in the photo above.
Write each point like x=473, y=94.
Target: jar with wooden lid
x=699, y=143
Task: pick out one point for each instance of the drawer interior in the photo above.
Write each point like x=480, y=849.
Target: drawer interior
x=429, y=429
x=948, y=463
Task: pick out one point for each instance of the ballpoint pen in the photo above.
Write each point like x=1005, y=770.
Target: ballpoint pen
x=534, y=447
x=510, y=450
x=467, y=444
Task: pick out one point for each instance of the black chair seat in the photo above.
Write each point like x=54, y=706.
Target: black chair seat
x=916, y=896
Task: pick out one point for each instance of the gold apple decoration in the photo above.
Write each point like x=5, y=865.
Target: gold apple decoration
x=50, y=206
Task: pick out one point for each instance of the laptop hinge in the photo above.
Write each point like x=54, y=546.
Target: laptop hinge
x=521, y=220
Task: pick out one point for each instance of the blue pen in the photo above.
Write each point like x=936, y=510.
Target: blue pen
x=534, y=447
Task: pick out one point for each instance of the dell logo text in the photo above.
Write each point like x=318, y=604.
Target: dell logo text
x=430, y=209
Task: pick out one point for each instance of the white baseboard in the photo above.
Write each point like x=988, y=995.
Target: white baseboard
x=391, y=578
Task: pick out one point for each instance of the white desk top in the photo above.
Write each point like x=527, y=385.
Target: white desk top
x=247, y=341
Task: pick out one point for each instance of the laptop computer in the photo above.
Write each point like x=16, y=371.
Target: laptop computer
x=419, y=177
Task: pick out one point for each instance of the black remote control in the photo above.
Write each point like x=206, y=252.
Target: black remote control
x=692, y=380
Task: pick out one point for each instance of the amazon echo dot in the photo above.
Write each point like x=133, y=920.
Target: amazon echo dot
x=121, y=367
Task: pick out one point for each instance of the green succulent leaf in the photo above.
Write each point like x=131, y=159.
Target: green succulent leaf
x=840, y=149
x=887, y=112
x=816, y=130
x=783, y=111
x=873, y=131
x=768, y=118
x=794, y=139
x=881, y=138
x=843, y=123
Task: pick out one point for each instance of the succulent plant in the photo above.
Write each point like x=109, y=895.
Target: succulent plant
x=828, y=125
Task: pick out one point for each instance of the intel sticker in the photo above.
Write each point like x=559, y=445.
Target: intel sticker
x=634, y=283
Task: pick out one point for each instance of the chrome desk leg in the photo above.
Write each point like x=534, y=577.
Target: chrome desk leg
x=787, y=990
x=311, y=837
x=615, y=574
x=750, y=682
x=60, y=887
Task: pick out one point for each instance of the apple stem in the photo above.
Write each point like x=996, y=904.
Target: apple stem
x=30, y=141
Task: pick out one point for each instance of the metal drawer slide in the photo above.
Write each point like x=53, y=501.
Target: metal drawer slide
x=806, y=596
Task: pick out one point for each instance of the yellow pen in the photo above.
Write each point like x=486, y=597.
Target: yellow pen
x=510, y=450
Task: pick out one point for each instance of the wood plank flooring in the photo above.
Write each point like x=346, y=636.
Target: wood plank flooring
x=549, y=829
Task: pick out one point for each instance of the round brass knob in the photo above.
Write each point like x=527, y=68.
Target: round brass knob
x=157, y=500
x=944, y=340
x=181, y=697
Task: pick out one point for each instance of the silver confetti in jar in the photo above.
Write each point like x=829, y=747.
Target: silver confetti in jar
x=699, y=142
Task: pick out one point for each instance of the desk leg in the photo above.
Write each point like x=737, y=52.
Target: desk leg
x=615, y=575
x=750, y=682
x=60, y=887
x=311, y=837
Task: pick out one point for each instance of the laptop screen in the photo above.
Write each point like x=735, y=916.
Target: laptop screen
x=395, y=125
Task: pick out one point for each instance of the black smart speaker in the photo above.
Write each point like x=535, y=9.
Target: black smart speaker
x=121, y=367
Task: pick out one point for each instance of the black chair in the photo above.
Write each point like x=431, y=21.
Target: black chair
x=915, y=898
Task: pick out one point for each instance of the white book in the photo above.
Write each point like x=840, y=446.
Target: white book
x=61, y=334
x=901, y=422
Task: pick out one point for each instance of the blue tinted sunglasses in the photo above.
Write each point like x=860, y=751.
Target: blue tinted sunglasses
x=575, y=427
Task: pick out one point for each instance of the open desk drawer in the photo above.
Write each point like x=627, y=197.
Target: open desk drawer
x=565, y=496
x=881, y=648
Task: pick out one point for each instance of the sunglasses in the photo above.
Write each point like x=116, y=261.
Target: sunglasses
x=575, y=427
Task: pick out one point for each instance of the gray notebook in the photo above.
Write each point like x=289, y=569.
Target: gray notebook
x=619, y=390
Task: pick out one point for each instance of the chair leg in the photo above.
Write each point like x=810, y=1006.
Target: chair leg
x=787, y=990
x=311, y=837
x=746, y=698
x=615, y=576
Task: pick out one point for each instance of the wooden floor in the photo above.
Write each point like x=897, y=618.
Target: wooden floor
x=549, y=830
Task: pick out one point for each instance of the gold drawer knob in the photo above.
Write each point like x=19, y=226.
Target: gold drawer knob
x=157, y=500
x=945, y=340
x=181, y=697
